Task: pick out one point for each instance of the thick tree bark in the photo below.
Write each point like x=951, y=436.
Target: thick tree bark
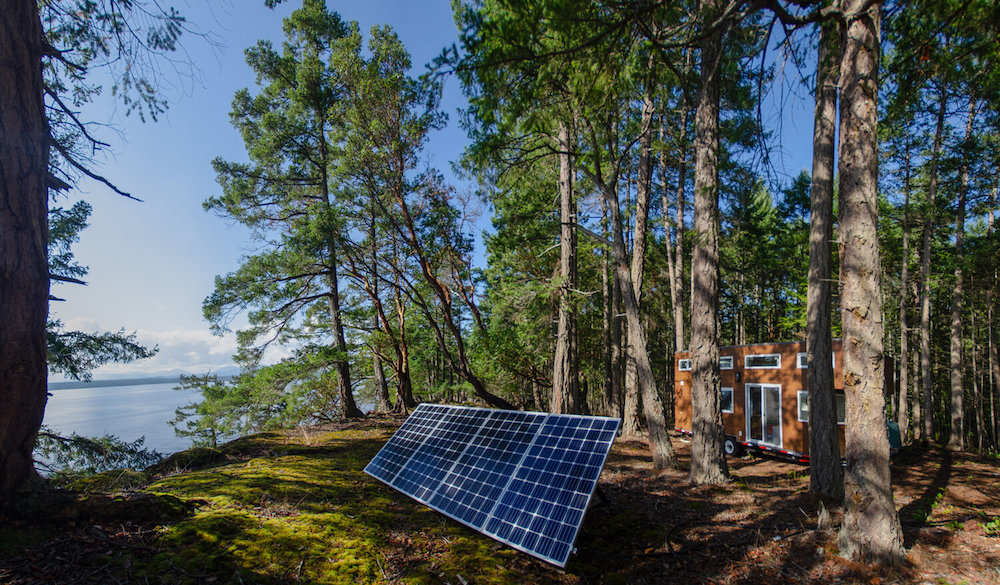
x=871, y=531
x=565, y=377
x=925, y=274
x=826, y=476
x=956, y=440
x=708, y=460
x=24, y=277
x=630, y=401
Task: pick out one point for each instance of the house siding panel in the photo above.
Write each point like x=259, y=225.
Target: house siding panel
x=791, y=378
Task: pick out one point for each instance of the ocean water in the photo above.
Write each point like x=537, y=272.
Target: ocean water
x=129, y=412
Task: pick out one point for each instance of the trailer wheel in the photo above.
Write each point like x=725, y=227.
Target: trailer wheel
x=732, y=447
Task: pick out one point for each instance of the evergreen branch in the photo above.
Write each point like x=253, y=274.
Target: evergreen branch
x=69, y=279
x=80, y=167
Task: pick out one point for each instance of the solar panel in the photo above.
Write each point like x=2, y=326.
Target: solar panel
x=523, y=478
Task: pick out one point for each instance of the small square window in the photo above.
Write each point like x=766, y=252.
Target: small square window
x=726, y=362
x=839, y=404
x=726, y=400
x=684, y=365
x=771, y=361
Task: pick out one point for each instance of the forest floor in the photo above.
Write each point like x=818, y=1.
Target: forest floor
x=295, y=506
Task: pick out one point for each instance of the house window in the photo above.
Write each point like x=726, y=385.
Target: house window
x=726, y=362
x=684, y=365
x=726, y=400
x=768, y=361
x=838, y=401
x=803, y=362
x=803, y=405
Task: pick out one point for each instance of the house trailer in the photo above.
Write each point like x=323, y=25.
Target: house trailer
x=765, y=397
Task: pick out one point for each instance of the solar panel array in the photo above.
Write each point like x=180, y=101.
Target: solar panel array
x=523, y=478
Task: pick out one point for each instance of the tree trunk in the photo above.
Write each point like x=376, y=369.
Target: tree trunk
x=630, y=406
x=617, y=341
x=638, y=260
x=348, y=408
x=925, y=274
x=404, y=383
x=675, y=261
x=903, y=412
x=382, y=403
x=977, y=397
x=956, y=440
x=994, y=388
x=826, y=476
x=659, y=440
x=611, y=396
x=24, y=277
x=708, y=460
x=871, y=531
x=565, y=378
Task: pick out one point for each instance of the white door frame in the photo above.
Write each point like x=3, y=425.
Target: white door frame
x=764, y=412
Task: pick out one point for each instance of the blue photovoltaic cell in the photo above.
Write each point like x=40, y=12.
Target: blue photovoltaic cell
x=523, y=478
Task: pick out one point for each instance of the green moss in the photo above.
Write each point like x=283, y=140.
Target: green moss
x=296, y=506
x=196, y=458
x=112, y=481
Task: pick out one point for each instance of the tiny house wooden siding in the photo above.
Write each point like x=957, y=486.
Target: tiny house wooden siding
x=772, y=378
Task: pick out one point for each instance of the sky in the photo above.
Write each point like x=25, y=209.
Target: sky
x=152, y=263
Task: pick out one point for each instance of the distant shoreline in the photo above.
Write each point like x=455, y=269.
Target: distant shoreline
x=105, y=383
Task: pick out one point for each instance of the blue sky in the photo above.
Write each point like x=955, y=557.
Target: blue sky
x=152, y=263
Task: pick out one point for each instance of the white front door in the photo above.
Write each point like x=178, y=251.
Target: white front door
x=764, y=414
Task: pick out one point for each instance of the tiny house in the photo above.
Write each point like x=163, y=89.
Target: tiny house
x=764, y=397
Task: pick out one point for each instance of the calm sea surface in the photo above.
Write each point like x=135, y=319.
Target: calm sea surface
x=129, y=412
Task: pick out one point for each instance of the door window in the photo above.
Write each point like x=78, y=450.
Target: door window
x=764, y=413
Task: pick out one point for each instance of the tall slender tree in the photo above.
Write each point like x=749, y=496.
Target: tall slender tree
x=956, y=439
x=871, y=529
x=293, y=285
x=565, y=376
x=708, y=460
x=825, y=473
x=926, y=373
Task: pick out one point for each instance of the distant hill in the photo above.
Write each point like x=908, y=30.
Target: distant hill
x=172, y=377
x=104, y=383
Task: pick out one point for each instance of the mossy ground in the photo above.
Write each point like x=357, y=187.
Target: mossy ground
x=295, y=506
